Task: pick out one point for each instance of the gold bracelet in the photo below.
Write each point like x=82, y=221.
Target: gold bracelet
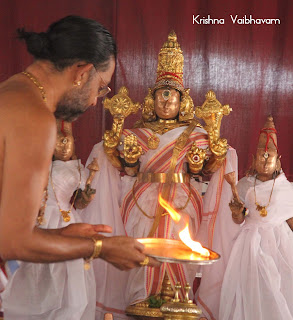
x=96, y=252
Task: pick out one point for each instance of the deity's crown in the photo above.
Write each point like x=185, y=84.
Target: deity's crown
x=170, y=65
x=268, y=136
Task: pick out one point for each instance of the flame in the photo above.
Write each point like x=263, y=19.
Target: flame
x=174, y=215
x=184, y=234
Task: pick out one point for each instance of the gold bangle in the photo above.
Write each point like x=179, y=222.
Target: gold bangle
x=96, y=252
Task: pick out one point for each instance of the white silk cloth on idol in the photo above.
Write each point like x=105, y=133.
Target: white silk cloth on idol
x=258, y=282
x=54, y=291
x=104, y=209
x=143, y=281
x=114, y=291
x=217, y=232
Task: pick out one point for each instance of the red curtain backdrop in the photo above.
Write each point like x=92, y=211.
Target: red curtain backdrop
x=249, y=66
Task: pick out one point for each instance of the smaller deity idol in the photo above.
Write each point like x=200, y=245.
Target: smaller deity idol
x=258, y=283
x=63, y=290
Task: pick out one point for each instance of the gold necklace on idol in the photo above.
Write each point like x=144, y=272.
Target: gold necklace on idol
x=262, y=209
x=65, y=213
x=36, y=83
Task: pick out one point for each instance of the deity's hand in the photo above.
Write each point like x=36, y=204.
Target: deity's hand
x=111, y=140
x=219, y=148
x=125, y=253
x=237, y=208
x=84, y=197
x=84, y=230
x=195, y=157
x=132, y=151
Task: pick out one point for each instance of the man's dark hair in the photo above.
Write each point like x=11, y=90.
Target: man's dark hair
x=69, y=40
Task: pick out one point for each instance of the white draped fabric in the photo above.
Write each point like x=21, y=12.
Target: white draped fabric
x=145, y=281
x=258, y=282
x=104, y=209
x=116, y=289
x=217, y=232
x=56, y=290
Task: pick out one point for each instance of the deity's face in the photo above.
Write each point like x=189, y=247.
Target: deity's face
x=167, y=103
x=265, y=163
x=64, y=147
x=79, y=98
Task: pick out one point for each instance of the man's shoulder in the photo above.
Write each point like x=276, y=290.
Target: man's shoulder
x=18, y=107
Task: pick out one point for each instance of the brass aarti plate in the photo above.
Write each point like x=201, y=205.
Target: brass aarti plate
x=175, y=251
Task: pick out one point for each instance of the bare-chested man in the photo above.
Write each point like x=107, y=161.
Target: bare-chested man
x=74, y=62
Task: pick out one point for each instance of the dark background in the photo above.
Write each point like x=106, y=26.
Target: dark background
x=248, y=66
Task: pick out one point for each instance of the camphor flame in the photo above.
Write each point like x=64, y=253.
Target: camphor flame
x=184, y=234
x=174, y=215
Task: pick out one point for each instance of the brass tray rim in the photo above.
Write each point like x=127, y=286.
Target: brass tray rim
x=182, y=245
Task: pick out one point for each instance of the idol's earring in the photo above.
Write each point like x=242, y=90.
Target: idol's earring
x=77, y=83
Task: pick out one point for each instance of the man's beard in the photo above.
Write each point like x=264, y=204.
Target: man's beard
x=72, y=104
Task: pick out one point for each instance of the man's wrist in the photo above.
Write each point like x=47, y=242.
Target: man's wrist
x=98, y=243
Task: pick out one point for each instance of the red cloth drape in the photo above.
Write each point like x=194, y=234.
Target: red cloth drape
x=248, y=66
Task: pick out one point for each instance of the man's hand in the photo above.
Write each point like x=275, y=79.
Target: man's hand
x=124, y=253
x=85, y=230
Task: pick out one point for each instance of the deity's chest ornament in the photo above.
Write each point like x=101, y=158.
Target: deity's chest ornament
x=262, y=209
x=66, y=213
x=153, y=142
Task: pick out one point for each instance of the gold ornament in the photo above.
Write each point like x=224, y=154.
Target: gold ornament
x=77, y=83
x=162, y=126
x=196, y=158
x=65, y=213
x=96, y=252
x=145, y=262
x=153, y=142
x=132, y=150
x=262, y=209
x=148, y=107
x=36, y=83
x=180, y=310
x=212, y=112
x=186, y=111
x=120, y=105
